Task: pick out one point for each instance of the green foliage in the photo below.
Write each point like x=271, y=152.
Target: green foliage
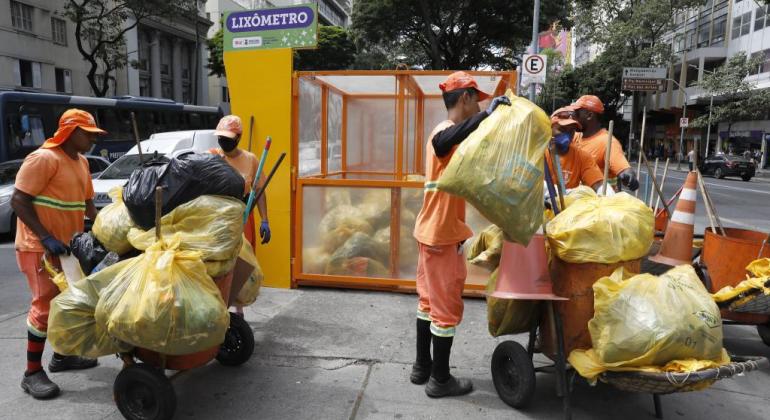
x=336, y=51
x=215, y=46
x=461, y=34
x=101, y=26
x=740, y=99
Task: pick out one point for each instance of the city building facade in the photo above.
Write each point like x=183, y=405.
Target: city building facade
x=38, y=52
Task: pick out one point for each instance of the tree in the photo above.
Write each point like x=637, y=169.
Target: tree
x=336, y=51
x=740, y=98
x=101, y=26
x=462, y=34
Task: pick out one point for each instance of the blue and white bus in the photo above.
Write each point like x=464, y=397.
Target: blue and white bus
x=29, y=118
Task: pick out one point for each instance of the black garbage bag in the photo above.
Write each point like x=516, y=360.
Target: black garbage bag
x=88, y=250
x=183, y=179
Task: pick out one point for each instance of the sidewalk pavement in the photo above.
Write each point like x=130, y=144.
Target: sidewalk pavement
x=336, y=354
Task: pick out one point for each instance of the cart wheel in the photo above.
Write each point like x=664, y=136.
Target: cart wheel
x=764, y=333
x=239, y=342
x=143, y=392
x=513, y=374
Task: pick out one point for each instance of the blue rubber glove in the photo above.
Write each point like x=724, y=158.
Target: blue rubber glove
x=500, y=100
x=264, y=232
x=54, y=246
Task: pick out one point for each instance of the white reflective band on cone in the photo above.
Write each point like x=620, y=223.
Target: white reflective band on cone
x=682, y=217
x=688, y=194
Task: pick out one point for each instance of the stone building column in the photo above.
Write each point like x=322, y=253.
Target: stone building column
x=155, y=65
x=176, y=62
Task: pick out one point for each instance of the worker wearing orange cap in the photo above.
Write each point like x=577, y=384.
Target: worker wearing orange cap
x=588, y=108
x=53, y=193
x=440, y=231
x=577, y=166
x=228, y=133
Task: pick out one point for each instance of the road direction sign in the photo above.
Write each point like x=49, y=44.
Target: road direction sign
x=684, y=122
x=533, y=68
x=644, y=73
x=643, y=78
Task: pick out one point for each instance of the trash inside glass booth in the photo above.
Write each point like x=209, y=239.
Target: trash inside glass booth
x=359, y=139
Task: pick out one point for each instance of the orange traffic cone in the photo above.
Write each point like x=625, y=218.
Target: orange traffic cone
x=524, y=272
x=676, y=248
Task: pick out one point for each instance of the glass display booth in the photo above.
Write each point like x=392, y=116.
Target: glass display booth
x=359, y=141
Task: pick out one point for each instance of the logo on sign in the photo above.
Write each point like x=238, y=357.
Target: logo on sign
x=533, y=68
x=247, y=42
x=534, y=64
x=684, y=122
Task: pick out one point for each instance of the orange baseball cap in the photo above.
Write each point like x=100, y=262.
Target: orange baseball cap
x=70, y=120
x=589, y=103
x=564, y=122
x=229, y=126
x=461, y=80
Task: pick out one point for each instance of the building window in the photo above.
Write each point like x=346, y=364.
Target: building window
x=144, y=52
x=144, y=86
x=27, y=74
x=760, y=21
x=186, y=94
x=59, y=31
x=225, y=94
x=741, y=25
x=165, y=56
x=718, y=35
x=63, y=80
x=21, y=16
x=166, y=90
x=764, y=66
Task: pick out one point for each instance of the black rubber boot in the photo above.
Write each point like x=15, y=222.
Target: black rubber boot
x=442, y=383
x=39, y=386
x=423, y=364
x=61, y=363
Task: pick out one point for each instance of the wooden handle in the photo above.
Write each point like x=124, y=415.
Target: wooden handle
x=607, y=151
x=158, y=211
x=136, y=138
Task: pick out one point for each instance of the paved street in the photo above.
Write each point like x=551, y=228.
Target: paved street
x=333, y=354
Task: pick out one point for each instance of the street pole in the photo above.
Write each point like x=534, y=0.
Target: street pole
x=708, y=130
x=681, y=138
x=535, y=42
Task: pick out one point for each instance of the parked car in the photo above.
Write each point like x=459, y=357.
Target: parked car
x=161, y=146
x=721, y=166
x=8, y=170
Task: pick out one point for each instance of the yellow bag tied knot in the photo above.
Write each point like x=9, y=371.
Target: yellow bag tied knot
x=653, y=324
x=604, y=230
x=164, y=301
x=486, y=249
x=499, y=168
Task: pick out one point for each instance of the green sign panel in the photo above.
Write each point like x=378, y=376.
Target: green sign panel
x=284, y=27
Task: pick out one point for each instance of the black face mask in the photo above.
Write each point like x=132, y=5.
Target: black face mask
x=227, y=144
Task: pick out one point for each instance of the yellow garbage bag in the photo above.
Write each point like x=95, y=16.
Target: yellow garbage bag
x=602, y=229
x=486, y=249
x=589, y=365
x=250, y=290
x=499, y=168
x=509, y=316
x=760, y=269
x=648, y=320
x=165, y=302
x=211, y=225
x=72, y=326
x=112, y=224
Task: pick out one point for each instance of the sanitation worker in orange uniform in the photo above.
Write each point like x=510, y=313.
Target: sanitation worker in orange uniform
x=593, y=140
x=53, y=193
x=577, y=166
x=440, y=231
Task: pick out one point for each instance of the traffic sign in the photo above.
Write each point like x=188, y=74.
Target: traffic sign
x=644, y=73
x=684, y=122
x=644, y=85
x=533, y=68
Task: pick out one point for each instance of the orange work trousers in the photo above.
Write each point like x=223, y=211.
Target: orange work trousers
x=42, y=288
x=441, y=276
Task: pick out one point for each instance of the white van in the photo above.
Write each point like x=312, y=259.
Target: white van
x=165, y=145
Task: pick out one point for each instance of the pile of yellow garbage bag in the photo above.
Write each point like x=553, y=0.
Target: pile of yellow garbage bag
x=499, y=168
x=601, y=229
x=164, y=300
x=747, y=289
x=652, y=323
x=112, y=224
